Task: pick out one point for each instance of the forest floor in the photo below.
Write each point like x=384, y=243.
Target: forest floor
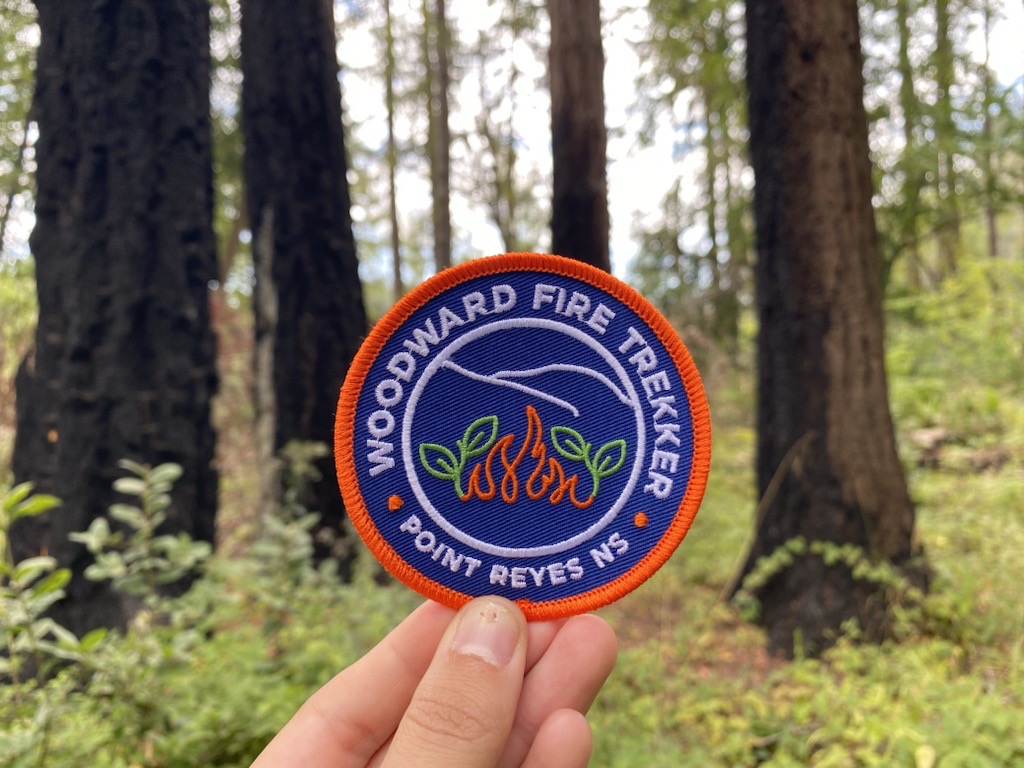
x=694, y=685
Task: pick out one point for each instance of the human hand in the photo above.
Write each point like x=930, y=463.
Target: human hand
x=473, y=689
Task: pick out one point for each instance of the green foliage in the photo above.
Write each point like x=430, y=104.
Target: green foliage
x=954, y=356
x=34, y=644
x=28, y=588
x=858, y=706
x=137, y=560
x=206, y=677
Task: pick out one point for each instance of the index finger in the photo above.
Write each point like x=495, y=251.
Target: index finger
x=347, y=720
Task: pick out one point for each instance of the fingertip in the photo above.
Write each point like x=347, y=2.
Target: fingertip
x=599, y=638
x=491, y=629
x=564, y=740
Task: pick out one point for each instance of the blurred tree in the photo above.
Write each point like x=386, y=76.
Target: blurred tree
x=988, y=158
x=439, y=141
x=511, y=190
x=910, y=159
x=123, y=365
x=939, y=133
x=397, y=289
x=308, y=299
x=827, y=467
x=18, y=33
x=946, y=138
x=230, y=221
x=693, y=75
x=579, y=201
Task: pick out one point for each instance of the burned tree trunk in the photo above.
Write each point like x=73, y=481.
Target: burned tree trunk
x=579, y=140
x=123, y=365
x=827, y=466
x=311, y=319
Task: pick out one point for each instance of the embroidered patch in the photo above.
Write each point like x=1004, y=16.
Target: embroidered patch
x=527, y=426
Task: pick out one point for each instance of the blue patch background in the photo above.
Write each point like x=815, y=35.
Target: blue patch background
x=526, y=523
x=442, y=415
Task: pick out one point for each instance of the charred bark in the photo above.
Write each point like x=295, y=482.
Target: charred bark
x=298, y=201
x=123, y=365
x=827, y=466
x=579, y=140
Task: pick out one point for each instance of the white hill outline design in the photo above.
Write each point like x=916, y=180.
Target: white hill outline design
x=501, y=379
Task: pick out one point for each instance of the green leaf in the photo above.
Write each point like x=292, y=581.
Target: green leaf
x=165, y=473
x=97, y=537
x=40, y=604
x=27, y=571
x=58, y=632
x=570, y=443
x=609, y=458
x=480, y=436
x=130, y=486
x=55, y=582
x=128, y=514
x=442, y=464
x=159, y=502
x=133, y=466
x=93, y=639
x=16, y=495
x=34, y=505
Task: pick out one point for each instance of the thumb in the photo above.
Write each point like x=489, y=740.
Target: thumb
x=462, y=711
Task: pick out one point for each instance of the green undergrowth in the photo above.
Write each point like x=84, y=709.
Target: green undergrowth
x=694, y=686
x=208, y=678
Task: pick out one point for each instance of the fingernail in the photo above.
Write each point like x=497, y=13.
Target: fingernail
x=488, y=631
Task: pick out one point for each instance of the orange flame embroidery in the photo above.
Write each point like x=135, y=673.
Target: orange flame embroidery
x=547, y=473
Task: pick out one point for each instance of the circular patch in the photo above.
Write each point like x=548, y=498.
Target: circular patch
x=527, y=426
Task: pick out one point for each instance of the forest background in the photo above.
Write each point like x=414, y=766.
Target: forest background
x=208, y=677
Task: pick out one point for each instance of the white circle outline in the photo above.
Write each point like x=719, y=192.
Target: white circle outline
x=455, y=346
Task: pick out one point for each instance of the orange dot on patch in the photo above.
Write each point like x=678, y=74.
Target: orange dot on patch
x=395, y=503
x=640, y=519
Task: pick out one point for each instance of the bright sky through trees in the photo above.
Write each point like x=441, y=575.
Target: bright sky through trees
x=638, y=176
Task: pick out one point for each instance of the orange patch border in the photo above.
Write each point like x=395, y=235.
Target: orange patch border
x=344, y=431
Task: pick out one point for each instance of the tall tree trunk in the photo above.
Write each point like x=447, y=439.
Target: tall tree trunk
x=988, y=164
x=579, y=204
x=440, y=144
x=827, y=467
x=719, y=322
x=946, y=130
x=910, y=106
x=303, y=248
x=123, y=365
x=397, y=288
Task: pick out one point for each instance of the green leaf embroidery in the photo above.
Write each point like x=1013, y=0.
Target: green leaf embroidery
x=479, y=437
x=606, y=462
x=570, y=444
x=442, y=464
